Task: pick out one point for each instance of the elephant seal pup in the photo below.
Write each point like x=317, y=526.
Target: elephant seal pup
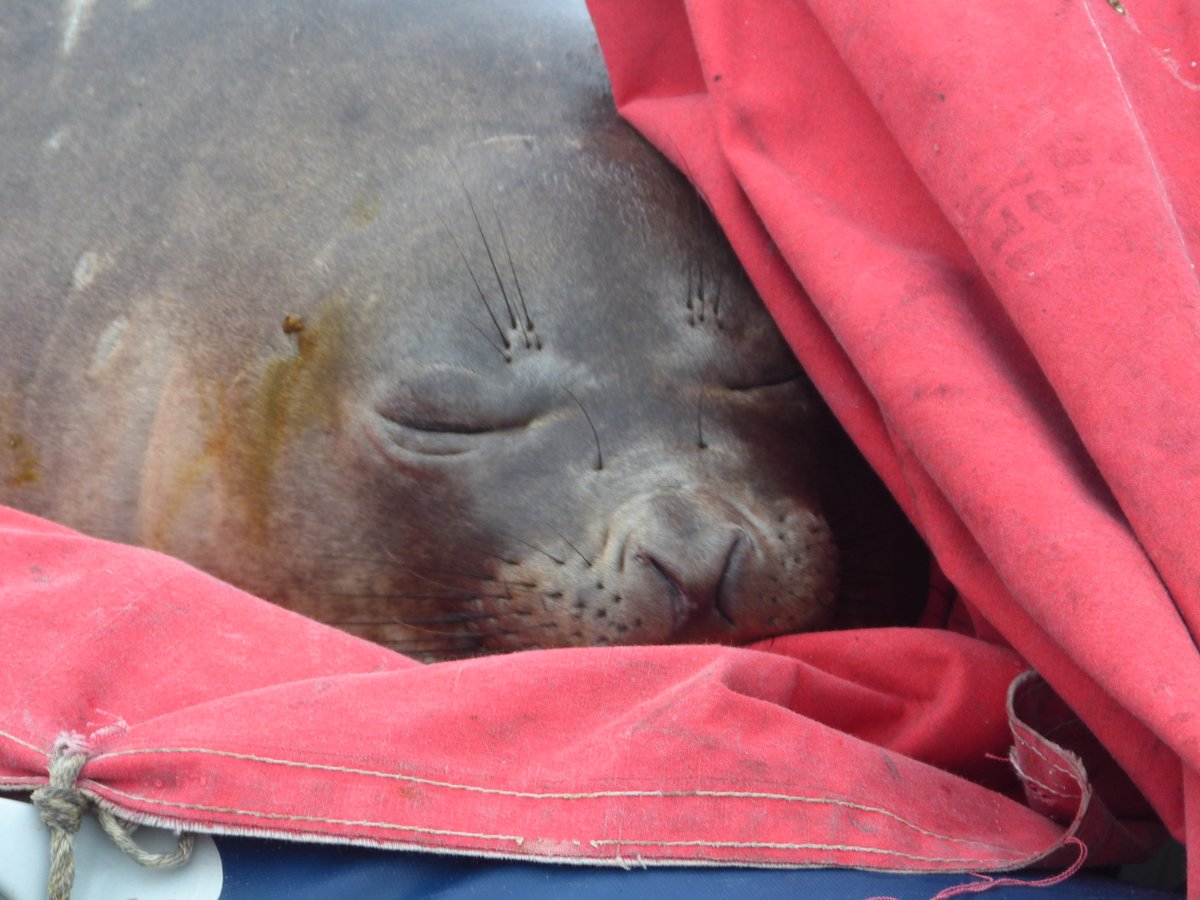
x=376, y=310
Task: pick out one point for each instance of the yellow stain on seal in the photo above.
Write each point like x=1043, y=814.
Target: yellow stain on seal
x=231, y=440
x=268, y=409
x=21, y=462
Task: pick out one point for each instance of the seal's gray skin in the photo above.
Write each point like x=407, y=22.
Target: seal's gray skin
x=375, y=309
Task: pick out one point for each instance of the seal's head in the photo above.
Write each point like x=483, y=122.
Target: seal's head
x=562, y=418
x=615, y=442
x=381, y=313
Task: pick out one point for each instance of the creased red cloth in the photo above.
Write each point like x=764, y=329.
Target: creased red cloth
x=977, y=226
x=204, y=708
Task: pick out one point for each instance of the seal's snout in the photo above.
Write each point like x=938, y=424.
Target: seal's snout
x=702, y=563
x=688, y=552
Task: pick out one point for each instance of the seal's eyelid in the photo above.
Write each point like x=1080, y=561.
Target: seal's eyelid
x=430, y=416
x=440, y=426
x=448, y=398
x=424, y=418
x=405, y=437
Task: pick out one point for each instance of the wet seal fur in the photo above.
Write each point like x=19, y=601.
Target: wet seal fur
x=378, y=311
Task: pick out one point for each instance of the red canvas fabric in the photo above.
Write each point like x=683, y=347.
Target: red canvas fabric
x=976, y=225
x=203, y=708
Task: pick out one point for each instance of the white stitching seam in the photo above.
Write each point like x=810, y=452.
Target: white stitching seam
x=597, y=843
x=739, y=795
x=589, y=795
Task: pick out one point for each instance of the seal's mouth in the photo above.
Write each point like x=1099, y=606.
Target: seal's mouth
x=673, y=566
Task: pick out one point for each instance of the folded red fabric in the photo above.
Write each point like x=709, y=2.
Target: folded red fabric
x=203, y=708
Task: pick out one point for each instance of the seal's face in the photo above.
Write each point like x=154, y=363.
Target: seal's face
x=615, y=443
x=538, y=430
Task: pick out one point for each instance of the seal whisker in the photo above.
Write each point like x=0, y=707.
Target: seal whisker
x=463, y=638
x=702, y=202
x=503, y=559
x=503, y=353
x=450, y=587
x=451, y=620
x=460, y=573
x=595, y=434
x=478, y=288
x=472, y=635
x=561, y=562
x=512, y=318
x=472, y=547
x=471, y=575
x=587, y=562
x=527, y=326
x=689, y=302
x=387, y=560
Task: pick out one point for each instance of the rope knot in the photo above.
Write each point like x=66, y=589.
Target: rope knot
x=61, y=808
x=62, y=805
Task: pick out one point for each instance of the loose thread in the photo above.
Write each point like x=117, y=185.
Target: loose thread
x=987, y=882
x=62, y=806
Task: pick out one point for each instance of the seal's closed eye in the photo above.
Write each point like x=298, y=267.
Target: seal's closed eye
x=448, y=410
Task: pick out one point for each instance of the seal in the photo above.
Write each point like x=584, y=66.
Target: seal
x=377, y=311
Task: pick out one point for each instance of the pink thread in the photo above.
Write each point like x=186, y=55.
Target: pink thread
x=987, y=882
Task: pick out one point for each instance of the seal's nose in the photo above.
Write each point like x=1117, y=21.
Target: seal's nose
x=684, y=552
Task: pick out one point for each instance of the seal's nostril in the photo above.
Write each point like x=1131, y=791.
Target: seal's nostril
x=725, y=577
x=699, y=569
x=683, y=608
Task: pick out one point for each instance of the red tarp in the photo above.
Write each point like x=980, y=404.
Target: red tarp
x=977, y=226
x=992, y=209
x=203, y=707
